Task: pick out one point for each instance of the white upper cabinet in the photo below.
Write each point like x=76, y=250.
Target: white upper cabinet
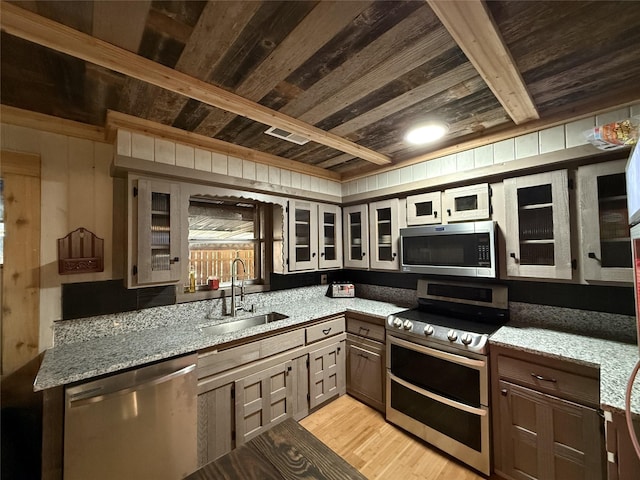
x=356, y=236
x=605, y=246
x=330, y=236
x=385, y=222
x=424, y=209
x=467, y=203
x=315, y=236
x=153, y=233
x=303, y=235
x=537, y=229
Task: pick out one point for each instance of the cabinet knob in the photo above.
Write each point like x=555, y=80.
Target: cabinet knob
x=174, y=260
x=435, y=214
x=513, y=255
x=593, y=255
x=394, y=255
x=363, y=254
x=449, y=211
x=322, y=254
x=503, y=392
x=313, y=254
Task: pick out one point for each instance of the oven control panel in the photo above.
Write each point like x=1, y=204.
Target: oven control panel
x=434, y=335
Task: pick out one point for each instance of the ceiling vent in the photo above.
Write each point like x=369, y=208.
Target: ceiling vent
x=288, y=136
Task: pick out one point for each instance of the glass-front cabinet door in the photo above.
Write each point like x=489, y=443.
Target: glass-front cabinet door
x=154, y=233
x=303, y=235
x=330, y=236
x=385, y=223
x=604, y=222
x=356, y=236
x=424, y=209
x=537, y=225
x=471, y=202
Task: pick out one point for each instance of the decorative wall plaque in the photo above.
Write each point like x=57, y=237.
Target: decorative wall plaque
x=80, y=252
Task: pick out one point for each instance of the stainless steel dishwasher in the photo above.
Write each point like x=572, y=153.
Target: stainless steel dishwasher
x=138, y=424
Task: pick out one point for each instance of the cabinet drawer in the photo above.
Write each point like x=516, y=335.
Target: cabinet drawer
x=325, y=330
x=585, y=390
x=216, y=361
x=366, y=329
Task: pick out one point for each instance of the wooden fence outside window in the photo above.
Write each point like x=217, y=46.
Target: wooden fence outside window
x=217, y=263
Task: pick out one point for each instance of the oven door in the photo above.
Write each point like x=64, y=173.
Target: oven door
x=441, y=397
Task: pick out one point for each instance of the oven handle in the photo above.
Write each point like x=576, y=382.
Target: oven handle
x=451, y=357
x=452, y=403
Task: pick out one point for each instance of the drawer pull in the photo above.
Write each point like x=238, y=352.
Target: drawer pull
x=544, y=379
x=326, y=330
x=363, y=356
x=365, y=329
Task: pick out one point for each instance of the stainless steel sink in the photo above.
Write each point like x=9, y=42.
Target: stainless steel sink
x=242, y=323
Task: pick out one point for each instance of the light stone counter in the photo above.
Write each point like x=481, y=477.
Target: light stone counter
x=94, y=346
x=588, y=338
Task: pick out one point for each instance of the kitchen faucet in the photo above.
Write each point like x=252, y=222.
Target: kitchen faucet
x=234, y=279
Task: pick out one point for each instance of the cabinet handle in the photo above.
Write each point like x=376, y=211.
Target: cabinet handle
x=544, y=379
x=322, y=254
x=363, y=356
x=395, y=254
x=593, y=255
x=365, y=329
x=313, y=254
x=326, y=330
x=174, y=260
x=449, y=211
x=513, y=255
x=504, y=392
x=435, y=214
x=363, y=254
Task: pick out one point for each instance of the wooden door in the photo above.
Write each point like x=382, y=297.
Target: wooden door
x=326, y=373
x=547, y=438
x=537, y=230
x=20, y=313
x=216, y=423
x=263, y=399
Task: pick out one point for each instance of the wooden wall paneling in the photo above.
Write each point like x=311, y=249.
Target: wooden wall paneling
x=21, y=285
x=80, y=187
x=19, y=138
x=55, y=214
x=104, y=205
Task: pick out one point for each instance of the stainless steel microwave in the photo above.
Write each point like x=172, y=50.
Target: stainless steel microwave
x=460, y=249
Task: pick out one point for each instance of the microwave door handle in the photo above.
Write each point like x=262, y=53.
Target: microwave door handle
x=452, y=403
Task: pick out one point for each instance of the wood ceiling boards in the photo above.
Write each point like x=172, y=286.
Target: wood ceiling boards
x=353, y=76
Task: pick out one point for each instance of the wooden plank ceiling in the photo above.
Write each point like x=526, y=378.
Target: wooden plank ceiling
x=352, y=75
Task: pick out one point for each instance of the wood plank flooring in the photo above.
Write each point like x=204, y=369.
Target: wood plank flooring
x=380, y=450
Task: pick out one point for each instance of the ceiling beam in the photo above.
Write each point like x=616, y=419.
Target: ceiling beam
x=472, y=27
x=34, y=28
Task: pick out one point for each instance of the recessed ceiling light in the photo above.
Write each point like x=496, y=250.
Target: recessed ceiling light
x=427, y=133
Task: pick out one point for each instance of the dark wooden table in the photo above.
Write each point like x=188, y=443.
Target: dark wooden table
x=287, y=451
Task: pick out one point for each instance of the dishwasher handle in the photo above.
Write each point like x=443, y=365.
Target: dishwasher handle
x=101, y=393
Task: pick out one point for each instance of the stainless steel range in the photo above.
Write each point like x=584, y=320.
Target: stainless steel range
x=437, y=366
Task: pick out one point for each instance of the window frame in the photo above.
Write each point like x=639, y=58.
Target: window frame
x=266, y=204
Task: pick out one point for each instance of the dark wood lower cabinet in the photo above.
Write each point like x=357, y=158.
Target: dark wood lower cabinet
x=365, y=371
x=545, y=437
x=622, y=461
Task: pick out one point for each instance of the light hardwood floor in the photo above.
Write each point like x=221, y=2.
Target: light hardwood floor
x=379, y=450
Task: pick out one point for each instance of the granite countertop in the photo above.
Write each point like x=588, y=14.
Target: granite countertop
x=73, y=361
x=615, y=359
